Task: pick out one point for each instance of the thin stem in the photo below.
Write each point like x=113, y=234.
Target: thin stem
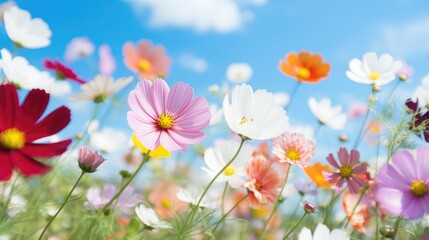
x=277, y=203
x=223, y=197
x=355, y=207
x=330, y=205
x=146, y=159
x=318, y=130
x=226, y=214
x=9, y=198
x=85, y=132
x=296, y=225
x=292, y=95
x=62, y=205
x=396, y=226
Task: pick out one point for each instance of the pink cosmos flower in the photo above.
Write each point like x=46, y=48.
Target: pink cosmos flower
x=149, y=62
x=172, y=118
x=262, y=181
x=293, y=148
x=89, y=160
x=349, y=171
x=97, y=199
x=357, y=109
x=402, y=186
x=406, y=72
x=78, y=47
x=106, y=64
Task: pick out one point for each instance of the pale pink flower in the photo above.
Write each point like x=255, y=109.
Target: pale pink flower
x=293, y=148
x=350, y=171
x=149, y=62
x=106, y=64
x=172, y=118
x=262, y=181
x=89, y=160
x=78, y=47
x=97, y=199
x=357, y=109
x=406, y=71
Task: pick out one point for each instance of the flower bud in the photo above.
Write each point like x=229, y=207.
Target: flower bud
x=125, y=174
x=387, y=231
x=89, y=160
x=309, y=208
x=343, y=138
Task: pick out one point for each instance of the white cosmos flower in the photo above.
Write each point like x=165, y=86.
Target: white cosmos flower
x=239, y=72
x=322, y=233
x=216, y=113
x=193, y=195
x=100, y=88
x=149, y=217
x=216, y=158
x=254, y=115
x=25, y=31
x=4, y=7
x=422, y=92
x=109, y=140
x=329, y=115
x=374, y=70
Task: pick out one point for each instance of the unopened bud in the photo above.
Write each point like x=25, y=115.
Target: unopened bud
x=309, y=208
x=125, y=174
x=403, y=77
x=376, y=88
x=387, y=231
x=343, y=138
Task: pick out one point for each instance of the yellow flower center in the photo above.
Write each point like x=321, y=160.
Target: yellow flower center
x=165, y=121
x=346, y=171
x=292, y=154
x=257, y=186
x=166, y=203
x=12, y=139
x=419, y=188
x=144, y=65
x=303, y=73
x=244, y=120
x=374, y=76
x=229, y=171
x=259, y=212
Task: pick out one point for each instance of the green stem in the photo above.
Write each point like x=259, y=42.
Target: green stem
x=296, y=225
x=62, y=205
x=292, y=95
x=9, y=198
x=223, y=197
x=396, y=226
x=277, y=203
x=226, y=214
x=355, y=207
x=330, y=205
x=146, y=159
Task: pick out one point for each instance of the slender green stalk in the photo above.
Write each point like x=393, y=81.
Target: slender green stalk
x=85, y=132
x=318, y=129
x=396, y=227
x=293, y=93
x=277, y=204
x=330, y=205
x=296, y=225
x=223, y=198
x=146, y=159
x=354, y=207
x=62, y=205
x=226, y=214
x=9, y=198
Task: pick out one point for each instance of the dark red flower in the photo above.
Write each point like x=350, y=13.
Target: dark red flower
x=62, y=71
x=420, y=119
x=20, y=126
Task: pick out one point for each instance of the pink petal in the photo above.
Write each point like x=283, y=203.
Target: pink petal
x=343, y=156
x=332, y=161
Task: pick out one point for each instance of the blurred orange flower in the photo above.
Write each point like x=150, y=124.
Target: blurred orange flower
x=314, y=172
x=163, y=197
x=149, y=62
x=361, y=217
x=305, y=67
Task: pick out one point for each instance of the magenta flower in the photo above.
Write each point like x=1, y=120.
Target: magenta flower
x=293, y=148
x=97, y=199
x=402, y=186
x=349, y=171
x=89, y=160
x=172, y=118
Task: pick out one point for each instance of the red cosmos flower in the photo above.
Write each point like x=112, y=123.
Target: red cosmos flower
x=20, y=127
x=62, y=71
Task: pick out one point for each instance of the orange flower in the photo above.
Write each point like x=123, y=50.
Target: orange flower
x=149, y=62
x=163, y=197
x=314, y=172
x=305, y=67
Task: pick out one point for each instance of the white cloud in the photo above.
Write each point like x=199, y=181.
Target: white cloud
x=193, y=63
x=200, y=15
x=404, y=39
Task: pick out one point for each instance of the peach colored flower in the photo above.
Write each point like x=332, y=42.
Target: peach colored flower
x=293, y=148
x=305, y=67
x=148, y=61
x=164, y=200
x=314, y=172
x=262, y=181
x=264, y=149
x=362, y=215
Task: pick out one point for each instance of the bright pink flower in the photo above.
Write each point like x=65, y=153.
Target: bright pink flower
x=293, y=148
x=262, y=181
x=106, y=64
x=89, y=160
x=21, y=125
x=149, y=62
x=357, y=109
x=349, y=171
x=61, y=71
x=172, y=118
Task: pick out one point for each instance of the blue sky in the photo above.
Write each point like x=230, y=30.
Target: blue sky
x=259, y=32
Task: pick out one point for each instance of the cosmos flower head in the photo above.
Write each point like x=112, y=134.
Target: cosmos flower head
x=78, y=47
x=62, y=72
x=327, y=114
x=293, y=148
x=305, y=67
